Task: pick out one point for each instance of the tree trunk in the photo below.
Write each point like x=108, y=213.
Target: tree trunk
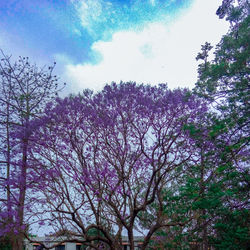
x=131, y=239
x=203, y=212
x=17, y=243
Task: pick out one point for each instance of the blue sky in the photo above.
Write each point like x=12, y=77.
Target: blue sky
x=98, y=41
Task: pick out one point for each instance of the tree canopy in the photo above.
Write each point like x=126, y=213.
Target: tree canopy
x=107, y=157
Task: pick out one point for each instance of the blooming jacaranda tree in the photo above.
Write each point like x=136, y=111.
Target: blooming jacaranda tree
x=103, y=158
x=25, y=89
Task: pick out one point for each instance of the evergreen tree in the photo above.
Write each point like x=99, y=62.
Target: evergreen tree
x=224, y=82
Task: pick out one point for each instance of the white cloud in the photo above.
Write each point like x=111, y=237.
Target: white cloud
x=161, y=52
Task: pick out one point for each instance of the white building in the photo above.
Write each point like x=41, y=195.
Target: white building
x=72, y=246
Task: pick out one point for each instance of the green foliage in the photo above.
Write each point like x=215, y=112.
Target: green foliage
x=94, y=232
x=225, y=83
x=5, y=243
x=226, y=78
x=232, y=231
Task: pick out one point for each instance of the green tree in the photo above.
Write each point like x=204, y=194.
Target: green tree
x=224, y=82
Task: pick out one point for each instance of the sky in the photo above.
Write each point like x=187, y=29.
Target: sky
x=95, y=42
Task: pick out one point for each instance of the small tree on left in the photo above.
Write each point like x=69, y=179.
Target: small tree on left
x=24, y=91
